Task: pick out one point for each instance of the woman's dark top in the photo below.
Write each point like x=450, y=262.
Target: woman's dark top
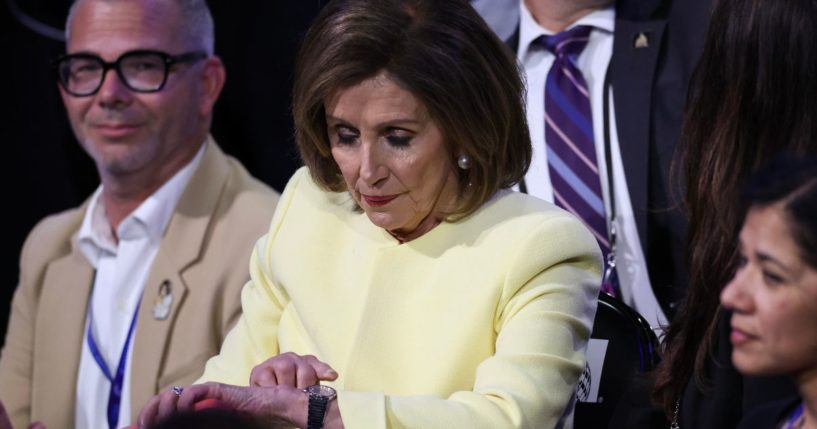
x=730, y=395
x=771, y=415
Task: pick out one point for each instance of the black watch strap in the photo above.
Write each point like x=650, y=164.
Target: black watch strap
x=316, y=411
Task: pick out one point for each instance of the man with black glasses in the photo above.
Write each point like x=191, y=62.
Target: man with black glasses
x=130, y=293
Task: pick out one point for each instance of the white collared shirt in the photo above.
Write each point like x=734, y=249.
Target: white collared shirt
x=593, y=62
x=121, y=272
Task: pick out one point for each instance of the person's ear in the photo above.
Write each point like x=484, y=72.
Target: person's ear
x=212, y=81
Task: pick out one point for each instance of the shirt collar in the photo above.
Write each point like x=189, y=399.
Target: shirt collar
x=529, y=30
x=149, y=220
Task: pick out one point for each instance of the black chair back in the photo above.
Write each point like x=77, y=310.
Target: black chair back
x=622, y=347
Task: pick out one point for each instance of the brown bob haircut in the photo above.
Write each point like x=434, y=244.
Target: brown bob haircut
x=445, y=55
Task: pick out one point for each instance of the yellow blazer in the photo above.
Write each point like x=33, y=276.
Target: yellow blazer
x=203, y=255
x=481, y=323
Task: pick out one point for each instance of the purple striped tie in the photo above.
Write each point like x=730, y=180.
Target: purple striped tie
x=571, y=152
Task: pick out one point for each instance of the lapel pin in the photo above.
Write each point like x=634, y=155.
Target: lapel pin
x=641, y=41
x=163, y=302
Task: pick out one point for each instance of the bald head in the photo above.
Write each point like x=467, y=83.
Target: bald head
x=195, y=23
x=139, y=137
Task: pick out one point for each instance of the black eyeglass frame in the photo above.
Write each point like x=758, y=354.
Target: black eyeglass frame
x=167, y=60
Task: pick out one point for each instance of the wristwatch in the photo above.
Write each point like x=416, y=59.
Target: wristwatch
x=319, y=397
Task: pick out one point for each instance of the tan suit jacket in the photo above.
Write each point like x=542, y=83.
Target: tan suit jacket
x=204, y=256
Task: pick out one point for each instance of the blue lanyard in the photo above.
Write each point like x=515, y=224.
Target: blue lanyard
x=794, y=417
x=115, y=395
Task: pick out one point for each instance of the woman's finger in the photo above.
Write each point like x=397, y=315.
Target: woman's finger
x=167, y=405
x=5, y=423
x=290, y=369
x=263, y=377
x=147, y=416
x=322, y=369
x=285, y=370
x=196, y=393
x=306, y=376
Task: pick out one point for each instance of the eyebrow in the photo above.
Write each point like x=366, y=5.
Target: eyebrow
x=330, y=118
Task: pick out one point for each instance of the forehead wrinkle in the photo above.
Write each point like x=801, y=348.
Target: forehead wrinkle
x=396, y=97
x=384, y=78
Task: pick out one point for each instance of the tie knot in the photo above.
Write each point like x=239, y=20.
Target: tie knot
x=569, y=42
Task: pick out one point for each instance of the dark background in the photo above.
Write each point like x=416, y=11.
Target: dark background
x=256, y=39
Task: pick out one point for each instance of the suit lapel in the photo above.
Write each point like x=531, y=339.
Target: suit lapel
x=180, y=249
x=632, y=72
x=60, y=335
x=636, y=47
x=513, y=41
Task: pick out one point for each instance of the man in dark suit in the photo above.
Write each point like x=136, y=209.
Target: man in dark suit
x=636, y=59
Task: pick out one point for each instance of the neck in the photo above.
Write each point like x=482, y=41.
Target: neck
x=427, y=224
x=123, y=192
x=444, y=204
x=119, y=204
x=557, y=15
x=807, y=386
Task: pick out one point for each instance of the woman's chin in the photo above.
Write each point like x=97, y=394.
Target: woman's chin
x=751, y=364
x=384, y=220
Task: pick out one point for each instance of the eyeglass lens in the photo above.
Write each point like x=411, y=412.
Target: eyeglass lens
x=140, y=72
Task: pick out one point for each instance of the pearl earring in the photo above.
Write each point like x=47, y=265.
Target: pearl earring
x=464, y=162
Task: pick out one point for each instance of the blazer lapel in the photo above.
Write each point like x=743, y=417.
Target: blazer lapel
x=60, y=335
x=180, y=249
x=636, y=47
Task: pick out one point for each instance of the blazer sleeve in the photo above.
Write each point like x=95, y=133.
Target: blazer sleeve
x=17, y=358
x=543, y=323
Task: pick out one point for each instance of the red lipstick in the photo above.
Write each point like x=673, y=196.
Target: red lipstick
x=378, y=200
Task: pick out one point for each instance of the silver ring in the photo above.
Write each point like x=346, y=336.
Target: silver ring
x=177, y=390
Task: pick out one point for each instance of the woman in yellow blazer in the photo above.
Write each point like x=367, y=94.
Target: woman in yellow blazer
x=399, y=269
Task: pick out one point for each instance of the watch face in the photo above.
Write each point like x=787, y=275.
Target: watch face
x=320, y=390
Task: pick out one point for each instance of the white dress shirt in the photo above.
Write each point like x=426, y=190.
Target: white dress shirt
x=593, y=62
x=121, y=272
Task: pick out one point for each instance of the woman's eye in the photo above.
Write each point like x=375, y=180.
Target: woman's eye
x=771, y=278
x=399, y=141
x=346, y=138
x=344, y=135
x=399, y=137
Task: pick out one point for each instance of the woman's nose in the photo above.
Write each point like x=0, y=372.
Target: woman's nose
x=372, y=164
x=735, y=296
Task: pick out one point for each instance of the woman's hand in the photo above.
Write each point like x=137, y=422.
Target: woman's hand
x=5, y=423
x=274, y=397
x=272, y=407
x=290, y=369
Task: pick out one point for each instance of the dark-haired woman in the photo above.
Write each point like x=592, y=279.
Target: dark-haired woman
x=752, y=97
x=773, y=295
